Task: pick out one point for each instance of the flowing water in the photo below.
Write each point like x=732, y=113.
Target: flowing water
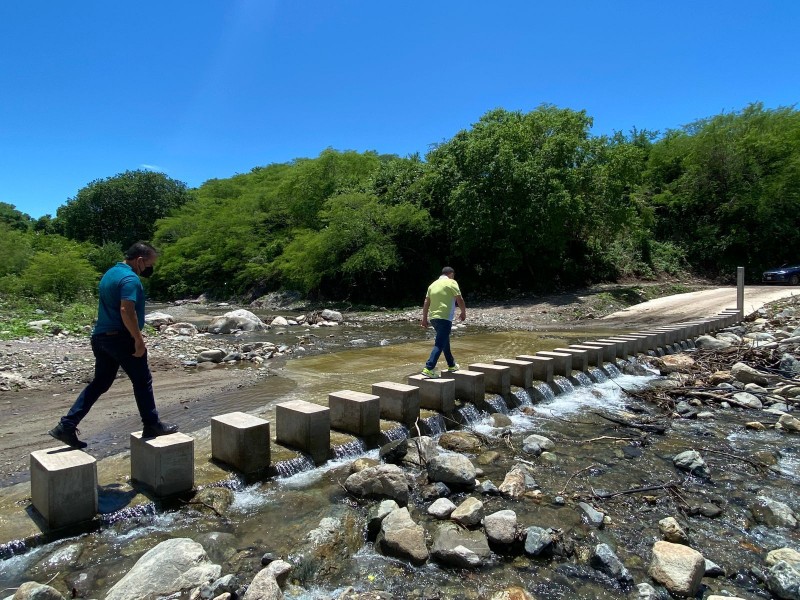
x=593, y=459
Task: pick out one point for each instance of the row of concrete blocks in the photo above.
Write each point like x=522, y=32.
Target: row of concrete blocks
x=64, y=481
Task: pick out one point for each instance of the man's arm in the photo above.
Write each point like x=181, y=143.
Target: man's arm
x=127, y=310
x=425, y=306
x=463, y=307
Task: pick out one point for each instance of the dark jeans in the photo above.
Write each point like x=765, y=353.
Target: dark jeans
x=110, y=353
x=441, y=343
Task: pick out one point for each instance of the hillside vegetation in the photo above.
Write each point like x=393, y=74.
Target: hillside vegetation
x=517, y=201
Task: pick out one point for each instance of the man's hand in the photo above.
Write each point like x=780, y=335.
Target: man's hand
x=140, y=348
x=462, y=315
x=424, y=324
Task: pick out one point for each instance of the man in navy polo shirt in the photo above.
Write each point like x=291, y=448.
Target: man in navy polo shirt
x=117, y=342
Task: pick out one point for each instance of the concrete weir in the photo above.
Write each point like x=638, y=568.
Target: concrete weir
x=64, y=481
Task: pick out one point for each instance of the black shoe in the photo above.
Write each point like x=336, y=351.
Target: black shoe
x=68, y=436
x=157, y=429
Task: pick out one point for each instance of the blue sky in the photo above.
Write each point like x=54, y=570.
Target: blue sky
x=207, y=89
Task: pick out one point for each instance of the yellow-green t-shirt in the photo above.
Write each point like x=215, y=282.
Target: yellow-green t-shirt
x=442, y=293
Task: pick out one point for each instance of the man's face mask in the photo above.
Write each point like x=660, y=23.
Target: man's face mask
x=146, y=271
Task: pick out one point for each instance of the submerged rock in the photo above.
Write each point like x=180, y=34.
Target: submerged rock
x=773, y=513
x=590, y=515
x=605, y=560
x=691, y=461
x=783, y=580
x=30, y=590
x=400, y=536
x=537, y=540
x=458, y=547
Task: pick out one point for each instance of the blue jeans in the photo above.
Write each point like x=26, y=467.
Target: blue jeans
x=110, y=353
x=441, y=343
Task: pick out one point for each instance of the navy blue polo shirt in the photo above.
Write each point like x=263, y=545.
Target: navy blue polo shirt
x=119, y=283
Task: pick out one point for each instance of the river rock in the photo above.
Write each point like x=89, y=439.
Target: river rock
x=536, y=444
x=332, y=315
x=452, y=469
x=394, y=452
x=280, y=570
x=746, y=374
x=691, y=461
x=383, y=481
x=460, y=548
x=707, y=342
x=279, y=322
x=677, y=567
x=537, y=540
x=718, y=377
x=789, y=423
x=441, y=508
x=605, y=560
x=173, y=566
x=788, y=555
x=460, y=441
x=773, y=513
x=264, y=587
x=420, y=450
x=648, y=592
x=227, y=584
x=590, y=515
x=729, y=336
x=783, y=580
x=499, y=420
x=240, y=319
x=216, y=355
x=488, y=488
x=469, y=513
x=672, y=363
x=671, y=531
x=501, y=526
x=30, y=590
x=219, y=546
x=376, y=515
x=517, y=481
x=513, y=593
x=745, y=400
x=158, y=319
x=400, y=536
x=183, y=329
x=214, y=499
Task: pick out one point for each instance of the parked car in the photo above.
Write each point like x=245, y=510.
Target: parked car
x=789, y=274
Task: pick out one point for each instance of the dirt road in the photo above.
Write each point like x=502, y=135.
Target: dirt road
x=704, y=303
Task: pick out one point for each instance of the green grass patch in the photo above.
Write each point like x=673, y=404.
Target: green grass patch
x=16, y=312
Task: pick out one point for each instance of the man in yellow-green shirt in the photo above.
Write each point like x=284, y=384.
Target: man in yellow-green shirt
x=440, y=305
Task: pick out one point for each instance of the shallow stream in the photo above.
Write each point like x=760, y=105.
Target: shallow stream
x=593, y=457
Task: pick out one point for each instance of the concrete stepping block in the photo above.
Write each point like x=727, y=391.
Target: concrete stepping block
x=305, y=426
x=624, y=347
x=355, y=412
x=640, y=342
x=497, y=378
x=64, y=485
x=470, y=385
x=580, y=358
x=435, y=394
x=241, y=441
x=609, y=349
x=542, y=366
x=521, y=371
x=398, y=402
x=163, y=464
x=562, y=362
x=594, y=354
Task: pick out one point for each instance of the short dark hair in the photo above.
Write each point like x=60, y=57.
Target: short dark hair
x=138, y=249
x=448, y=271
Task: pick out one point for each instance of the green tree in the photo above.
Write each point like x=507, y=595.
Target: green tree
x=15, y=250
x=121, y=209
x=66, y=276
x=14, y=218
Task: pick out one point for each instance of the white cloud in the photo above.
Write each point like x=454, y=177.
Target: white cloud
x=152, y=168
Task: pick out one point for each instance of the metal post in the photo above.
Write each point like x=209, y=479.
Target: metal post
x=740, y=291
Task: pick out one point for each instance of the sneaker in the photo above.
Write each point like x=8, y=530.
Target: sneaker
x=429, y=373
x=152, y=430
x=67, y=436
x=454, y=368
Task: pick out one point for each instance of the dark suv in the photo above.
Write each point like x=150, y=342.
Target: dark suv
x=788, y=274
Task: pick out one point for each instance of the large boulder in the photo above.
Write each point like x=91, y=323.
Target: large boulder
x=460, y=441
x=173, y=566
x=30, y=590
x=400, y=536
x=460, y=548
x=677, y=567
x=452, y=469
x=501, y=527
x=382, y=481
x=158, y=319
x=674, y=363
x=420, y=450
x=747, y=374
x=783, y=580
x=264, y=587
x=241, y=319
